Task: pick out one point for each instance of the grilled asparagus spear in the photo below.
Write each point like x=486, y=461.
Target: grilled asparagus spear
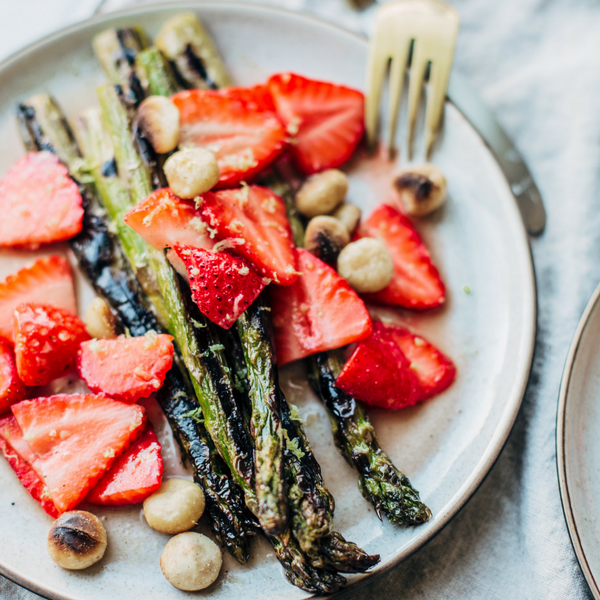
x=257, y=342
x=116, y=50
x=44, y=128
x=192, y=53
x=155, y=74
x=380, y=481
x=232, y=448
x=271, y=507
x=311, y=504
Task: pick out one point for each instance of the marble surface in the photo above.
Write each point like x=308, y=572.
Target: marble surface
x=536, y=63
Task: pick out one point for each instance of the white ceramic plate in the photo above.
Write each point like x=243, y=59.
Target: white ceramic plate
x=446, y=446
x=578, y=443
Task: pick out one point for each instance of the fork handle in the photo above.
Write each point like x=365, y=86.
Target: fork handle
x=523, y=187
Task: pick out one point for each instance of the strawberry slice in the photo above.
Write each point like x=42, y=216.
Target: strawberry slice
x=76, y=439
x=245, y=140
x=163, y=220
x=434, y=371
x=12, y=389
x=318, y=312
x=135, y=475
x=46, y=342
x=126, y=369
x=252, y=220
x=20, y=456
x=223, y=286
x=40, y=203
x=325, y=120
x=48, y=280
x=394, y=368
x=379, y=374
x=256, y=97
x=416, y=283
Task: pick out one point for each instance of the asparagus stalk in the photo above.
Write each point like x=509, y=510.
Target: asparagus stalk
x=116, y=50
x=45, y=128
x=231, y=522
x=232, y=447
x=192, y=53
x=115, y=199
x=257, y=341
x=155, y=73
x=380, y=482
x=311, y=504
x=269, y=514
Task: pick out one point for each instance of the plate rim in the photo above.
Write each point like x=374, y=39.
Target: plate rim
x=500, y=437
x=561, y=463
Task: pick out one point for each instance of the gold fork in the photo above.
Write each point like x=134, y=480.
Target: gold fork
x=429, y=28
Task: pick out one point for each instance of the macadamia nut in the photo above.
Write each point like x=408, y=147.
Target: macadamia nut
x=191, y=561
x=322, y=193
x=422, y=189
x=325, y=237
x=175, y=507
x=99, y=321
x=349, y=215
x=77, y=540
x=158, y=118
x=366, y=265
x=191, y=172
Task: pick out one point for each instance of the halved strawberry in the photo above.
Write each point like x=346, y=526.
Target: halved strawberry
x=46, y=342
x=40, y=203
x=164, y=220
x=325, y=120
x=126, y=369
x=223, y=286
x=76, y=439
x=48, y=280
x=318, y=312
x=256, y=97
x=379, y=374
x=253, y=222
x=20, y=456
x=434, y=370
x=245, y=140
x=12, y=389
x=416, y=282
x=135, y=475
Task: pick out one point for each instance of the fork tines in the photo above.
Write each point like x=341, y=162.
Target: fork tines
x=424, y=32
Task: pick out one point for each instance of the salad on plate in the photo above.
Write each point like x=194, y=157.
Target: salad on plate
x=212, y=224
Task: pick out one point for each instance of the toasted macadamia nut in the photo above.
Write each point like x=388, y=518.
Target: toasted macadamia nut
x=191, y=172
x=322, y=193
x=325, y=237
x=422, y=189
x=191, y=561
x=175, y=507
x=76, y=540
x=349, y=215
x=158, y=118
x=99, y=321
x=366, y=265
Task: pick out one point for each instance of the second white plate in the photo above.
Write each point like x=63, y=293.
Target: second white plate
x=578, y=443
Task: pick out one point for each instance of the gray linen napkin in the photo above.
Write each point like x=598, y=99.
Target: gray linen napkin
x=537, y=64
